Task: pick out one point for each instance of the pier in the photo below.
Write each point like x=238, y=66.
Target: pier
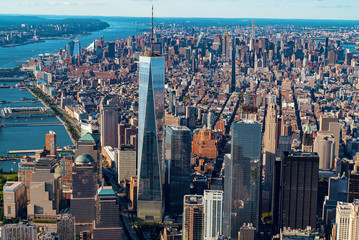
x=34, y=124
x=35, y=151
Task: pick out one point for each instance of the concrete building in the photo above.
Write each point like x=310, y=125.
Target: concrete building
x=347, y=220
x=192, y=223
x=247, y=232
x=51, y=143
x=109, y=124
x=23, y=231
x=66, y=227
x=26, y=168
x=127, y=163
x=204, y=144
x=213, y=214
x=14, y=195
x=324, y=145
x=84, y=188
x=45, y=190
x=107, y=222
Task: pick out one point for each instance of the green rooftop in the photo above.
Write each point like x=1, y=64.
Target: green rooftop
x=88, y=137
x=106, y=191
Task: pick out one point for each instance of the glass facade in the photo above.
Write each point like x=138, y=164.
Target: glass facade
x=178, y=166
x=242, y=177
x=150, y=130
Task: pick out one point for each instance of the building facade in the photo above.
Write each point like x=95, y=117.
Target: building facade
x=213, y=214
x=192, y=223
x=150, y=138
x=242, y=178
x=178, y=166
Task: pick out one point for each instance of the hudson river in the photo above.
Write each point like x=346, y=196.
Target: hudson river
x=33, y=137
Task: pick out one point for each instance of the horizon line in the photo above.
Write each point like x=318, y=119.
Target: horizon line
x=259, y=18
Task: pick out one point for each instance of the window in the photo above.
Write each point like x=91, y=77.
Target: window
x=8, y=209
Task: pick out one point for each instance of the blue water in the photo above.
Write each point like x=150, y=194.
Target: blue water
x=119, y=28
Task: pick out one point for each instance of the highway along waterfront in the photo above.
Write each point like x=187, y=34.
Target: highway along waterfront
x=26, y=133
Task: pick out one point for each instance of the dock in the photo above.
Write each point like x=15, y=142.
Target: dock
x=33, y=151
x=34, y=124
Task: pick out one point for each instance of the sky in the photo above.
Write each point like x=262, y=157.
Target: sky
x=298, y=9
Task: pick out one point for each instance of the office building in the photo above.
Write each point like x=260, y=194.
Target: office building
x=126, y=167
x=192, y=223
x=151, y=136
x=108, y=124
x=233, y=73
x=23, y=231
x=66, y=226
x=178, y=166
x=26, y=168
x=247, y=232
x=242, y=178
x=84, y=188
x=305, y=234
x=213, y=214
x=308, y=140
x=299, y=190
x=347, y=220
x=107, y=222
x=324, y=145
x=353, y=185
x=270, y=145
x=14, y=196
x=51, y=143
x=44, y=183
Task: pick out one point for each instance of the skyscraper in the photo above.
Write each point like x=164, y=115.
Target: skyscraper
x=192, y=224
x=299, y=190
x=107, y=222
x=178, y=166
x=213, y=214
x=51, y=145
x=150, y=136
x=109, y=123
x=233, y=79
x=270, y=144
x=347, y=220
x=242, y=178
x=84, y=187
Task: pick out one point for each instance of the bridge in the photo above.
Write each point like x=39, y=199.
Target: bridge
x=34, y=124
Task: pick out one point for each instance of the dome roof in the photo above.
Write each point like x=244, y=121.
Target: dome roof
x=84, y=158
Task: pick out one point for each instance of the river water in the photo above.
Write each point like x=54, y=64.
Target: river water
x=33, y=137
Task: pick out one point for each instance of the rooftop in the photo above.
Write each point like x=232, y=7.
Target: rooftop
x=106, y=191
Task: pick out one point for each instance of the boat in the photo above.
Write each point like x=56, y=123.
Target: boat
x=356, y=48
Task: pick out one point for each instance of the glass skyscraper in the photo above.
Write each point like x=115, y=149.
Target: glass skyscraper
x=178, y=166
x=151, y=136
x=242, y=178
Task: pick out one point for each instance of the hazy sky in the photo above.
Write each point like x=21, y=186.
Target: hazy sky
x=301, y=9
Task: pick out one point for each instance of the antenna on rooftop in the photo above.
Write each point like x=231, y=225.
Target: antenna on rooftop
x=152, y=40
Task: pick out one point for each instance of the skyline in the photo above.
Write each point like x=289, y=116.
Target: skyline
x=276, y=9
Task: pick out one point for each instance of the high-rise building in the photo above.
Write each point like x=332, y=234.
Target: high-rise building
x=151, y=136
x=247, y=232
x=242, y=178
x=51, y=144
x=66, y=226
x=353, y=186
x=233, y=77
x=26, y=168
x=270, y=145
x=192, y=223
x=109, y=123
x=347, y=220
x=84, y=188
x=324, y=145
x=225, y=45
x=307, y=143
x=44, y=183
x=107, y=222
x=14, y=195
x=213, y=214
x=299, y=190
x=126, y=168
x=22, y=230
x=178, y=166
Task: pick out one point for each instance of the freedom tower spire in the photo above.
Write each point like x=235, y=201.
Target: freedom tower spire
x=151, y=135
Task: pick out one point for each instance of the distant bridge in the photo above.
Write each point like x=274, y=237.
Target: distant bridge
x=34, y=124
